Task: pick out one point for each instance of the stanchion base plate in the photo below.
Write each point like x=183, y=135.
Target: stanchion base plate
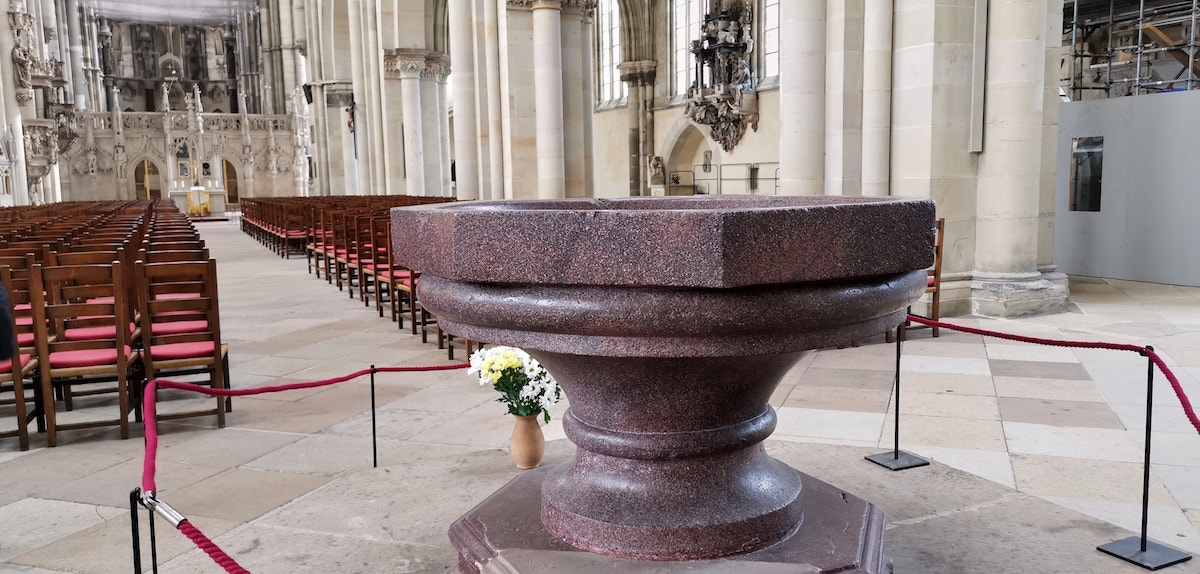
x=890, y=461
x=1155, y=557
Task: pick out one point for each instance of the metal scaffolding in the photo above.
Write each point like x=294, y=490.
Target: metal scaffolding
x=1149, y=47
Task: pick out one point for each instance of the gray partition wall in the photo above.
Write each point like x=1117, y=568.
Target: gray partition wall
x=1127, y=203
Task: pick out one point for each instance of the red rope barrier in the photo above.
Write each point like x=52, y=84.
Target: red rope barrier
x=149, y=465
x=209, y=547
x=1188, y=410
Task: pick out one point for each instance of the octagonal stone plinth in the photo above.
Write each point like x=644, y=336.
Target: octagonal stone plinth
x=669, y=323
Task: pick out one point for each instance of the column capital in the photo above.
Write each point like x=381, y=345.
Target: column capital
x=585, y=8
x=519, y=4
x=638, y=73
x=405, y=64
x=547, y=5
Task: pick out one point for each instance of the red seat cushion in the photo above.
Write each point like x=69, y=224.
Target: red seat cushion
x=397, y=274
x=929, y=282
x=25, y=339
x=102, y=300
x=6, y=366
x=84, y=358
x=91, y=333
x=24, y=320
x=182, y=351
x=23, y=306
x=179, y=327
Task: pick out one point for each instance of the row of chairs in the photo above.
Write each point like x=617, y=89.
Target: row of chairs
x=136, y=301
x=349, y=244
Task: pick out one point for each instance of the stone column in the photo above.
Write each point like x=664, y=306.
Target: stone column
x=430, y=130
x=494, y=188
x=589, y=97
x=548, y=86
x=877, y=97
x=466, y=133
x=409, y=71
x=843, y=99
x=78, y=78
x=361, y=134
x=443, y=112
x=572, y=104
x=1006, y=281
x=802, y=97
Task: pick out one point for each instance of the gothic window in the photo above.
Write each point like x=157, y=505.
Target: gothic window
x=608, y=21
x=769, y=65
x=686, y=19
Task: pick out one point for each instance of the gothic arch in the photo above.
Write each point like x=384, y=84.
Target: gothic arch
x=131, y=176
x=437, y=29
x=637, y=43
x=687, y=144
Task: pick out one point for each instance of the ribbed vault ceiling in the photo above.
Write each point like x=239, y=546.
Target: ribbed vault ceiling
x=178, y=12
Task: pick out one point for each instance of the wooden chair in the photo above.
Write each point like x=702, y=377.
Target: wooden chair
x=63, y=298
x=933, y=284
x=181, y=327
x=14, y=371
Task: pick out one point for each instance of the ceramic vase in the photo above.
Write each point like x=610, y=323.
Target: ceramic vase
x=527, y=443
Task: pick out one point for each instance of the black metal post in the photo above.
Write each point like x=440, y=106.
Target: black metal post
x=153, y=545
x=374, y=438
x=1139, y=549
x=135, y=496
x=897, y=459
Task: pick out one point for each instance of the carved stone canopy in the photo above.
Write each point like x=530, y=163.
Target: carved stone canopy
x=723, y=94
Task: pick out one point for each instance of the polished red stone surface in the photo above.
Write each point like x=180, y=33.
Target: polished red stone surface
x=669, y=323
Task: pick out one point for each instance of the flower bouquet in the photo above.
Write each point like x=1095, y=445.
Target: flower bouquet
x=524, y=385
x=527, y=389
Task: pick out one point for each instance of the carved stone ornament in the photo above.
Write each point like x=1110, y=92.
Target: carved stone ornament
x=405, y=64
x=519, y=4
x=723, y=95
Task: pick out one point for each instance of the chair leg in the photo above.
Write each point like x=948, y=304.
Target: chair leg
x=937, y=311
x=228, y=384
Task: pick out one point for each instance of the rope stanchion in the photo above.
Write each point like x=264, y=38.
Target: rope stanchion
x=897, y=459
x=146, y=495
x=1137, y=550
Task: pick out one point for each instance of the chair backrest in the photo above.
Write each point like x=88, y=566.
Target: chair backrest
x=75, y=297
x=173, y=255
x=159, y=290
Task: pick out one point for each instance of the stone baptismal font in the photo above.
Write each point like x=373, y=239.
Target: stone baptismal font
x=669, y=322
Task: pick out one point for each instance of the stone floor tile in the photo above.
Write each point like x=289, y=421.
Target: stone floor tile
x=1173, y=448
x=948, y=383
x=949, y=405
x=10, y=568
x=111, y=486
x=1038, y=369
x=45, y=469
x=1047, y=389
x=1167, y=418
x=1194, y=516
x=949, y=365
x=243, y=494
x=105, y=548
x=227, y=447
x=1107, y=480
x=992, y=465
x=296, y=417
x=1059, y=413
x=839, y=398
x=485, y=426
x=392, y=424
x=1183, y=482
x=321, y=351
x=1018, y=528
x=1038, y=353
x=1167, y=525
x=831, y=424
x=1088, y=443
x=848, y=378
x=31, y=523
x=939, y=348
x=274, y=366
x=273, y=550
x=853, y=358
x=944, y=432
